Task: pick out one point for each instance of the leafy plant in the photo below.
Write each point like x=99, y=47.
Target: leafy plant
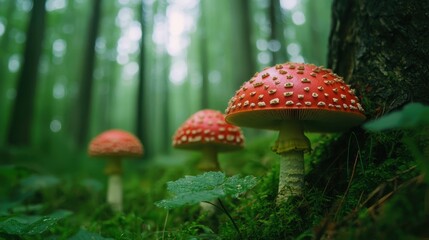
x=413, y=117
x=31, y=225
x=206, y=187
x=84, y=235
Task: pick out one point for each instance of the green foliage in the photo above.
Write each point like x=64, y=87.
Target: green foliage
x=415, y=118
x=31, y=225
x=38, y=182
x=257, y=215
x=31, y=202
x=358, y=186
x=262, y=218
x=413, y=115
x=205, y=187
x=385, y=199
x=402, y=217
x=85, y=235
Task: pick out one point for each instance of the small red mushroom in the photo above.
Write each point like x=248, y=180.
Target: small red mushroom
x=115, y=145
x=292, y=98
x=207, y=131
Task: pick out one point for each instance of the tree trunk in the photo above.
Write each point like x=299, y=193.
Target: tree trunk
x=22, y=115
x=244, y=28
x=85, y=89
x=4, y=51
x=165, y=105
x=277, y=26
x=141, y=121
x=382, y=49
x=203, y=58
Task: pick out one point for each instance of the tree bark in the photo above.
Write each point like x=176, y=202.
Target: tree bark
x=22, y=113
x=165, y=105
x=277, y=32
x=203, y=59
x=382, y=49
x=4, y=51
x=141, y=121
x=247, y=65
x=85, y=90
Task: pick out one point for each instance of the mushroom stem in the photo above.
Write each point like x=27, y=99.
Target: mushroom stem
x=114, y=184
x=209, y=161
x=114, y=192
x=291, y=178
x=291, y=145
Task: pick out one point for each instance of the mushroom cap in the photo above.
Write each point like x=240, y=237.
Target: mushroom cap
x=315, y=96
x=115, y=143
x=207, y=128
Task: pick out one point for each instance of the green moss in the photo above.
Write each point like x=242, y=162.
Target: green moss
x=358, y=186
x=401, y=217
x=347, y=175
x=260, y=217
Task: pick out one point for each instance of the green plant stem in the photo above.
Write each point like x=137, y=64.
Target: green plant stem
x=230, y=218
x=165, y=225
x=223, y=208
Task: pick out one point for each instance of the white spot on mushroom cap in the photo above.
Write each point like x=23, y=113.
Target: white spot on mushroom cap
x=274, y=101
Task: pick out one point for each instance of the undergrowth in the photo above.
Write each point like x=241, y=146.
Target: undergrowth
x=359, y=185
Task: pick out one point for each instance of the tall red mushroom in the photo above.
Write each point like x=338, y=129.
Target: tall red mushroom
x=115, y=145
x=292, y=98
x=207, y=131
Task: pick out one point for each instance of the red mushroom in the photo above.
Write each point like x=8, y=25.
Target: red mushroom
x=207, y=131
x=115, y=145
x=292, y=98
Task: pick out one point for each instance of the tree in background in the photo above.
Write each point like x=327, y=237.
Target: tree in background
x=82, y=112
x=22, y=112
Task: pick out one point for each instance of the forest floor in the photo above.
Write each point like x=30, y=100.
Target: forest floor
x=370, y=187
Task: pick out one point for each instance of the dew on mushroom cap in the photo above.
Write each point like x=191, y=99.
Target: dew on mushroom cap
x=298, y=91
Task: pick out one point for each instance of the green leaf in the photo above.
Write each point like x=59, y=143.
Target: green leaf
x=205, y=187
x=31, y=225
x=85, y=235
x=38, y=182
x=412, y=115
x=234, y=186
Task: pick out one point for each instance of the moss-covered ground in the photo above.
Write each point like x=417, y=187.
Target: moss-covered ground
x=359, y=185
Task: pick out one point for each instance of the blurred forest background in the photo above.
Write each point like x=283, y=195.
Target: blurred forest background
x=70, y=69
